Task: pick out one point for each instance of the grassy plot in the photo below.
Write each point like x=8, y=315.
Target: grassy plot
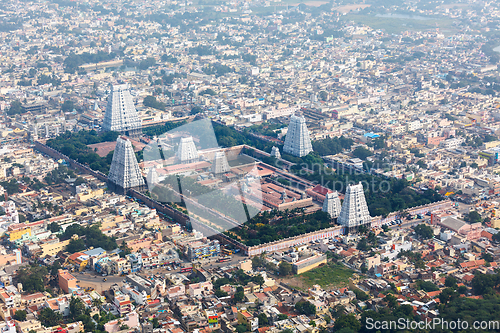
x=327, y=276
x=397, y=25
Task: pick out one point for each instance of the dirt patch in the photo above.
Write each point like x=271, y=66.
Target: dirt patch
x=104, y=148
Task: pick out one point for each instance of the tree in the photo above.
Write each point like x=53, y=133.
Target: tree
x=241, y=328
x=20, y=315
x=68, y=106
x=424, y=231
x=487, y=257
x=15, y=108
x=360, y=295
x=220, y=293
x=239, y=295
x=282, y=316
x=447, y=295
x=361, y=152
x=196, y=109
x=450, y=281
x=483, y=284
x=54, y=227
x=97, y=302
x=263, y=320
x=426, y=286
x=347, y=321
x=76, y=308
x=285, y=268
x=49, y=317
x=32, y=278
x=258, y=279
x=473, y=217
x=76, y=245
x=151, y=101
x=391, y=300
x=156, y=323
x=305, y=307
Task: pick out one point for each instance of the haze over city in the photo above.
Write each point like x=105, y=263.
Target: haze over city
x=249, y=166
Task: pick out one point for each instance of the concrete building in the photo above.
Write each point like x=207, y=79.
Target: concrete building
x=124, y=172
x=187, y=152
x=331, y=205
x=297, y=141
x=67, y=282
x=121, y=115
x=309, y=263
x=204, y=248
x=354, y=210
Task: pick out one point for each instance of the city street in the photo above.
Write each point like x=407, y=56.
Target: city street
x=86, y=280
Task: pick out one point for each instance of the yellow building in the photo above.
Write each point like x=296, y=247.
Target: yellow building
x=51, y=249
x=247, y=319
x=81, y=260
x=246, y=265
x=18, y=234
x=111, y=221
x=309, y=263
x=89, y=194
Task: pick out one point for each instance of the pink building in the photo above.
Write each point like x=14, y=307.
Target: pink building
x=131, y=320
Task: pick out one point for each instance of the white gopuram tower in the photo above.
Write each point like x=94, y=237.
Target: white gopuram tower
x=187, y=152
x=331, y=205
x=152, y=178
x=275, y=152
x=297, y=140
x=121, y=115
x=124, y=172
x=220, y=164
x=354, y=210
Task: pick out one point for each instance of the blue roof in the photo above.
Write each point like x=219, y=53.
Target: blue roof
x=95, y=252
x=372, y=135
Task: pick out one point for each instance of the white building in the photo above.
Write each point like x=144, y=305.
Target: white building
x=354, y=210
x=297, y=140
x=124, y=171
x=452, y=143
x=121, y=115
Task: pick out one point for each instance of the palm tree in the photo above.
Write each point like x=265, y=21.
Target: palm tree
x=97, y=302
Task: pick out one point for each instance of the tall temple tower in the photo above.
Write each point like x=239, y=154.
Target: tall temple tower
x=187, y=152
x=354, y=210
x=331, y=205
x=297, y=140
x=152, y=178
x=124, y=172
x=220, y=164
x=121, y=115
x=275, y=152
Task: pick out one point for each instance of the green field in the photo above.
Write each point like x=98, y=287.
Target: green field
x=397, y=25
x=329, y=275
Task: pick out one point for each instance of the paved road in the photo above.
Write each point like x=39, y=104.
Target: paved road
x=91, y=280
x=96, y=281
